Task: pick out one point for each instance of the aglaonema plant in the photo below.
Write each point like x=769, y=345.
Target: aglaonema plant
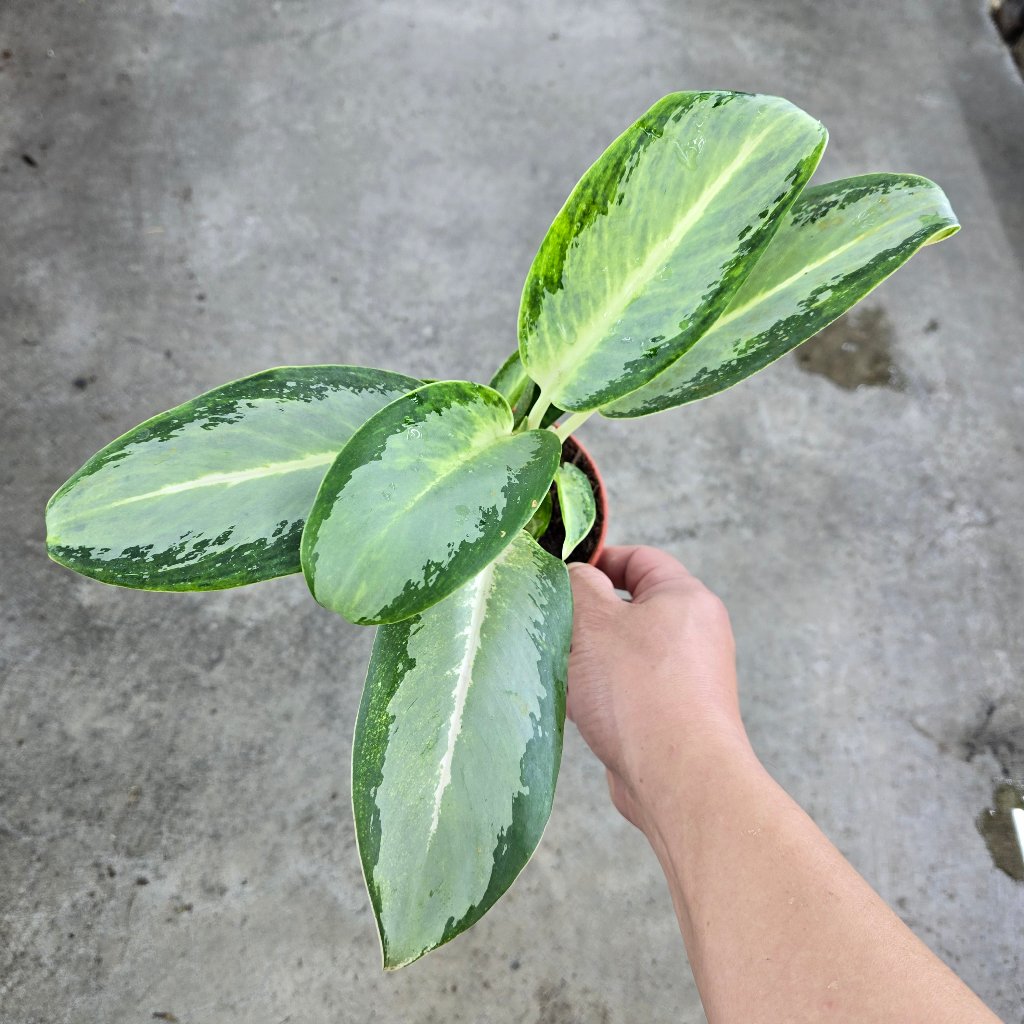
x=689, y=256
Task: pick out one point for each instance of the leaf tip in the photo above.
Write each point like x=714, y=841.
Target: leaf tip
x=943, y=233
x=392, y=961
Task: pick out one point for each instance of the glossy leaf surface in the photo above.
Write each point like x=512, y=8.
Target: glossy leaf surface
x=424, y=495
x=839, y=241
x=576, y=504
x=520, y=391
x=214, y=493
x=515, y=384
x=653, y=242
x=541, y=520
x=457, y=747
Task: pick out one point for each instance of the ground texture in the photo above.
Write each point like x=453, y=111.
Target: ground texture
x=193, y=191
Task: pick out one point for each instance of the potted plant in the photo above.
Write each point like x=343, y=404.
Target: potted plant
x=689, y=256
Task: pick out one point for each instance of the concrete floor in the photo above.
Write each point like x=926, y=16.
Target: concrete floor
x=193, y=191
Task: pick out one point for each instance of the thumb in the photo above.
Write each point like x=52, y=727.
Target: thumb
x=594, y=604
x=592, y=591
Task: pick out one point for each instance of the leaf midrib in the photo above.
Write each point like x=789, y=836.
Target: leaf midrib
x=592, y=334
x=474, y=635
x=229, y=479
x=388, y=524
x=731, y=314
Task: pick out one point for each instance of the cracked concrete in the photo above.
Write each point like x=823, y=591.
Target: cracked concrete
x=195, y=191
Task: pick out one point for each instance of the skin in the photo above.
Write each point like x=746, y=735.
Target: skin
x=778, y=926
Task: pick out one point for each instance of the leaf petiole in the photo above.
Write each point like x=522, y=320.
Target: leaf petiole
x=570, y=425
x=536, y=417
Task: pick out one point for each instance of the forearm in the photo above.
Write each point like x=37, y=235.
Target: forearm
x=779, y=928
x=777, y=924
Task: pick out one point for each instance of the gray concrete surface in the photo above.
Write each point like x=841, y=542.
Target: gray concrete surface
x=214, y=188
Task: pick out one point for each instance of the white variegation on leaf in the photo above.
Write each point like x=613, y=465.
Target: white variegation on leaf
x=576, y=504
x=655, y=239
x=839, y=241
x=214, y=493
x=424, y=495
x=457, y=748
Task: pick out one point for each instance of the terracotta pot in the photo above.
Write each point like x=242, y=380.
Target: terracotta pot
x=592, y=545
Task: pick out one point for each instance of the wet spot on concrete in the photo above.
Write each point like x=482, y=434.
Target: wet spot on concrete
x=855, y=351
x=999, y=830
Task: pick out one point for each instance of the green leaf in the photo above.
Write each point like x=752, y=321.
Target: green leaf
x=541, y=518
x=457, y=747
x=425, y=494
x=576, y=503
x=839, y=241
x=214, y=492
x=654, y=241
x=520, y=391
x=515, y=384
x=553, y=415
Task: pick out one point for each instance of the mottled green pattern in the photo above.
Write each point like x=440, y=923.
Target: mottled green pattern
x=521, y=392
x=839, y=241
x=576, y=504
x=515, y=384
x=214, y=492
x=425, y=494
x=457, y=747
x=653, y=242
x=541, y=520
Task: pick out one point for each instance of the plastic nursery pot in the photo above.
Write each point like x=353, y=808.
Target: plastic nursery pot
x=590, y=548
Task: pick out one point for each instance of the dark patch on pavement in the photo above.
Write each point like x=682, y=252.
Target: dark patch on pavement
x=853, y=352
x=999, y=732
x=1008, y=16
x=556, y=1006
x=997, y=828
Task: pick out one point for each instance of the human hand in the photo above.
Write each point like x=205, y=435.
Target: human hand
x=652, y=688
x=652, y=681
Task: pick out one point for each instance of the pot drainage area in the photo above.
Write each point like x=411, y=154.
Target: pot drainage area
x=1008, y=16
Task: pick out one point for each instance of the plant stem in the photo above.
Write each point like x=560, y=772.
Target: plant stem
x=540, y=407
x=574, y=421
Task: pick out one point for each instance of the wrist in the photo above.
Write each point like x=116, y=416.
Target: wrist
x=682, y=765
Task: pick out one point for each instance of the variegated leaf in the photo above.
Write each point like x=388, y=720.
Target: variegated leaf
x=839, y=241
x=541, y=520
x=457, y=747
x=425, y=494
x=576, y=504
x=515, y=384
x=214, y=492
x=654, y=241
x=520, y=391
